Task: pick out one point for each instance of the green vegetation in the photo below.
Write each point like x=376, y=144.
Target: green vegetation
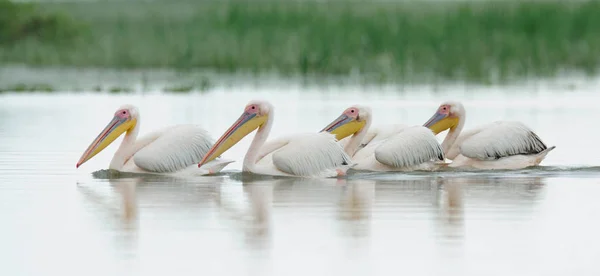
x=117, y=90
x=26, y=23
x=20, y=88
x=477, y=41
x=179, y=89
x=203, y=85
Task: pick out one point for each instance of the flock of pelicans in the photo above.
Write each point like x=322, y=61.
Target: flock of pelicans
x=348, y=142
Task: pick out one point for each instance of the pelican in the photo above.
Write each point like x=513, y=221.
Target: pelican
x=304, y=155
x=498, y=145
x=173, y=150
x=405, y=148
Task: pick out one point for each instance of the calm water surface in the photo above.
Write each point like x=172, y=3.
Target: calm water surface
x=60, y=220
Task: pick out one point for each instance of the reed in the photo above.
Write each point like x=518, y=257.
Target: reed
x=473, y=41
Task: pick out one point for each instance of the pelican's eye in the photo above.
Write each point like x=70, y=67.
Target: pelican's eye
x=444, y=109
x=352, y=112
x=253, y=109
x=124, y=114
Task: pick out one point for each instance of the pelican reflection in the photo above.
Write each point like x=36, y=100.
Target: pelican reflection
x=124, y=191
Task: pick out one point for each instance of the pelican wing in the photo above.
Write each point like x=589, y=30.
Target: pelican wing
x=310, y=154
x=174, y=149
x=501, y=139
x=269, y=147
x=410, y=147
x=375, y=138
x=383, y=132
x=377, y=134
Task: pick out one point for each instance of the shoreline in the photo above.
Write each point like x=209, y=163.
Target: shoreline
x=25, y=79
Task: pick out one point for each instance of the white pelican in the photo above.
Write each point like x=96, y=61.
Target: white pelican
x=398, y=149
x=498, y=145
x=305, y=155
x=173, y=150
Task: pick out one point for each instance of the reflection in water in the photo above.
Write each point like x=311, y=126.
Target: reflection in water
x=154, y=189
x=261, y=197
x=519, y=193
x=123, y=214
x=275, y=218
x=125, y=195
x=254, y=219
x=357, y=200
x=311, y=197
x=355, y=207
x=450, y=207
x=260, y=194
x=129, y=199
x=125, y=190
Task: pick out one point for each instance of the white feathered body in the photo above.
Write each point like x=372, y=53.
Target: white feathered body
x=303, y=155
x=498, y=145
x=174, y=150
x=374, y=135
x=408, y=149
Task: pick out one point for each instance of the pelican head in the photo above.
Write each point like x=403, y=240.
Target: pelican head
x=254, y=116
x=350, y=122
x=447, y=116
x=125, y=119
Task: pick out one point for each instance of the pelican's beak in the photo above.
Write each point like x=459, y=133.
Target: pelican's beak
x=247, y=123
x=112, y=131
x=344, y=126
x=440, y=122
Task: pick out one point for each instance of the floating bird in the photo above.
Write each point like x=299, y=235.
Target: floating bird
x=405, y=148
x=304, y=155
x=498, y=145
x=174, y=150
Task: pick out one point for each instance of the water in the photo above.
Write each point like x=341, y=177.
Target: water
x=58, y=219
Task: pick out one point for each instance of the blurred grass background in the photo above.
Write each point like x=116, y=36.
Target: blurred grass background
x=476, y=41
